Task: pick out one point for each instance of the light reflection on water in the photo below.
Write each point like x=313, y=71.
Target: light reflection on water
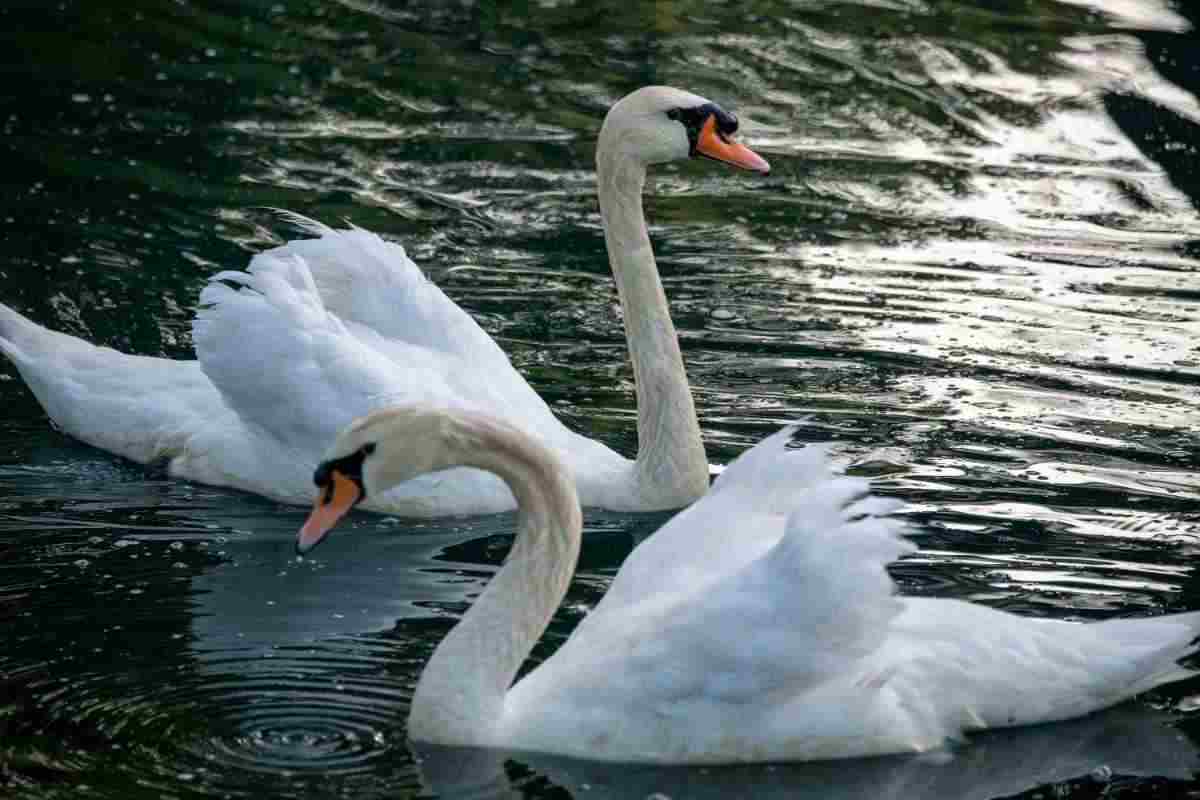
x=973, y=267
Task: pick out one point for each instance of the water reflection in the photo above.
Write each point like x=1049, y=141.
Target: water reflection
x=1099, y=753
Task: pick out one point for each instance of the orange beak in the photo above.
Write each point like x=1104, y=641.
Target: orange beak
x=713, y=144
x=336, y=498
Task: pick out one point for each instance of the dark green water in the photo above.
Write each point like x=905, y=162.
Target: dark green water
x=975, y=265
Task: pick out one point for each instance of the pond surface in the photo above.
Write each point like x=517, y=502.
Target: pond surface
x=975, y=266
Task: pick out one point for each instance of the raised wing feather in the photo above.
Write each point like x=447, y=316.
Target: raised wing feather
x=744, y=613
x=295, y=372
x=364, y=279
x=743, y=515
x=325, y=316
x=808, y=609
x=285, y=364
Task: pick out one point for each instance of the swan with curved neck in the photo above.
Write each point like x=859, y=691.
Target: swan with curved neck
x=656, y=125
x=321, y=331
x=759, y=624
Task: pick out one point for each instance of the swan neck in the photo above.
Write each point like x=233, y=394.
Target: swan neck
x=671, y=467
x=459, y=698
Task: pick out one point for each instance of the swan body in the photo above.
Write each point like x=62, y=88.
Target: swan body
x=759, y=624
x=323, y=330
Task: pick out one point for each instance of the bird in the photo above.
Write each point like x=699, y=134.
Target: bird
x=322, y=330
x=758, y=624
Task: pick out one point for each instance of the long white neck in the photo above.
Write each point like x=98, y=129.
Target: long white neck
x=460, y=696
x=671, y=468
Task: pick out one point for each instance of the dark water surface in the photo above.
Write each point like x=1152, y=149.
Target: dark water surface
x=974, y=264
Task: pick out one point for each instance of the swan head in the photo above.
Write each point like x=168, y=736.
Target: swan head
x=373, y=454
x=657, y=124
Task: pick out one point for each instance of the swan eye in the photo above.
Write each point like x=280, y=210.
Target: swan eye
x=727, y=123
x=349, y=466
x=693, y=120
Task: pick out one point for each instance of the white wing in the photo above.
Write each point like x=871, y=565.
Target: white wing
x=320, y=331
x=742, y=516
x=732, y=629
x=761, y=624
x=365, y=280
x=281, y=360
x=295, y=374
x=817, y=599
x=315, y=333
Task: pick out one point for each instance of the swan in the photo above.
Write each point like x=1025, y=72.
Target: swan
x=320, y=331
x=758, y=624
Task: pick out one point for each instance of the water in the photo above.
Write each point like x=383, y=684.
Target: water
x=974, y=266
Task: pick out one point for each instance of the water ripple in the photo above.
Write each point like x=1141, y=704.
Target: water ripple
x=972, y=268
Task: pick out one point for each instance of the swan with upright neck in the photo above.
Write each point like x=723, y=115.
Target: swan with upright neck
x=759, y=624
x=323, y=330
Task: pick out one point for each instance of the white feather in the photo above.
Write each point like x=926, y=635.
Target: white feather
x=740, y=633
x=754, y=626
x=324, y=329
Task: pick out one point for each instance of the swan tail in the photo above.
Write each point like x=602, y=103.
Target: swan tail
x=1113, y=661
x=1163, y=643
x=27, y=344
x=141, y=408
x=15, y=331
x=48, y=361
x=997, y=670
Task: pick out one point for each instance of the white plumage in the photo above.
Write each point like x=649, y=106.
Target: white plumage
x=759, y=624
x=315, y=333
x=346, y=323
x=320, y=331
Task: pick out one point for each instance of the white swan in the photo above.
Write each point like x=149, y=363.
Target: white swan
x=759, y=624
x=321, y=331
